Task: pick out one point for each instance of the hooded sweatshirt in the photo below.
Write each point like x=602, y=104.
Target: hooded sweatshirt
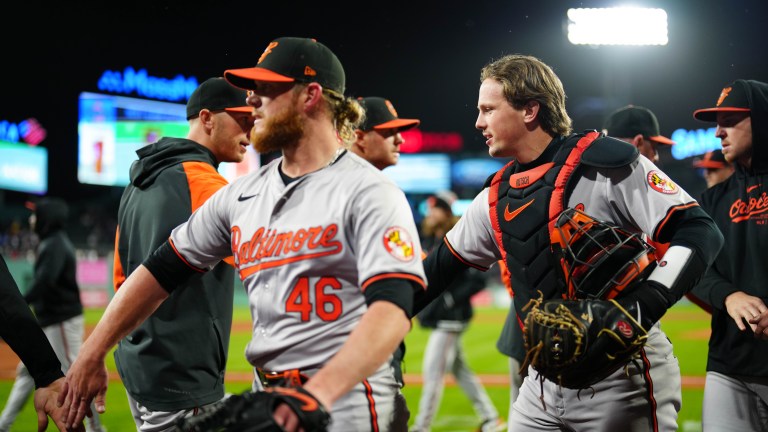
x=176, y=358
x=739, y=207
x=54, y=294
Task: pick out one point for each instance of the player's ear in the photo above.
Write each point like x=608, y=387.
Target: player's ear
x=531, y=111
x=637, y=140
x=312, y=94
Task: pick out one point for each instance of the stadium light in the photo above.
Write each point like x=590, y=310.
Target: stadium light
x=617, y=26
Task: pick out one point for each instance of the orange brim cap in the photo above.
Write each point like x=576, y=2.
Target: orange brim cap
x=246, y=78
x=398, y=123
x=661, y=139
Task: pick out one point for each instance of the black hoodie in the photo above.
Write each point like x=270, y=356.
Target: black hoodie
x=176, y=359
x=739, y=207
x=54, y=294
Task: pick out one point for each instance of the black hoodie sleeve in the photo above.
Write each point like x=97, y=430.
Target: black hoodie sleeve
x=19, y=328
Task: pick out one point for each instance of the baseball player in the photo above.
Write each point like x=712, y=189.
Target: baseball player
x=638, y=126
x=55, y=298
x=378, y=141
x=170, y=180
x=522, y=115
x=324, y=243
x=448, y=317
x=378, y=138
x=736, y=387
x=715, y=168
x=21, y=331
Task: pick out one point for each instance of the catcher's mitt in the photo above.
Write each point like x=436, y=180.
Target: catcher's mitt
x=252, y=412
x=577, y=343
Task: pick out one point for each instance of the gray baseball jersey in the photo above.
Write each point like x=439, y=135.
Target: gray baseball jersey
x=306, y=252
x=638, y=198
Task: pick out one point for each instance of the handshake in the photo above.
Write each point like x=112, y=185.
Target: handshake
x=252, y=412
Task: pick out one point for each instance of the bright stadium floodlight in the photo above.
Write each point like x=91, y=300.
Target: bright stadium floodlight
x=617, y=26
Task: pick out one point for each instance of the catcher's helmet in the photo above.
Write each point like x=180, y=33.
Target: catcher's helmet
x=599, y=260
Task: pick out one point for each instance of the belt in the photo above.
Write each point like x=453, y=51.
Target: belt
x=289, y=378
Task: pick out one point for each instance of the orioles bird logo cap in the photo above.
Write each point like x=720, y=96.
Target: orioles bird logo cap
x=381, y=114
x=292, y=59
x=732, y=98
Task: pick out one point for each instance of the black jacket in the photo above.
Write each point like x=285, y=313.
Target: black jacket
x=454, y=306
x=22, y=333
x=739, y=207
x=54, y=294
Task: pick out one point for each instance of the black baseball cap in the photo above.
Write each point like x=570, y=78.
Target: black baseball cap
x=712, y=159
x=381, y=114
x=732, y=98
x=292, y=59
x=631, y=120
x=216, y=94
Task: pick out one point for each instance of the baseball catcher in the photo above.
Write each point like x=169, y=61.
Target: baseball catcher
x=252, y=412
x=579, y=341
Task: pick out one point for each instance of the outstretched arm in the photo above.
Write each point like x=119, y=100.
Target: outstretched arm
x=137, y=299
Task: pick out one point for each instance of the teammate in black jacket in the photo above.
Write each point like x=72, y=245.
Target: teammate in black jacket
x=736, y=389
x=55, y=299
x=21, y=332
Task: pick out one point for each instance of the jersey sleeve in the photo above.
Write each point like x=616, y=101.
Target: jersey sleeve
x=385, y=237
x=204, y=239
x=472, y=239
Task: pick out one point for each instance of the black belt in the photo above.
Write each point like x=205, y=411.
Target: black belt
x=289, y=378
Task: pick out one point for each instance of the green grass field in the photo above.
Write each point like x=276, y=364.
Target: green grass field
x=685, y=324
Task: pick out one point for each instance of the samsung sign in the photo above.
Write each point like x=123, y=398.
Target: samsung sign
x=694, y=142
x=140, y=83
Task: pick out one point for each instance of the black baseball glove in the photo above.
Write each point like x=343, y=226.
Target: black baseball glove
x=577, y=343
x=252, y=412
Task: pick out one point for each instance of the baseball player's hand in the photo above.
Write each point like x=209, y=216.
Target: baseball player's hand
x=760, y=323
x=743, y=307
x=85, y=380
x=46, y=404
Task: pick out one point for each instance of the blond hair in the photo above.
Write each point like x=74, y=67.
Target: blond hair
x=526, y=78
x=347, y=113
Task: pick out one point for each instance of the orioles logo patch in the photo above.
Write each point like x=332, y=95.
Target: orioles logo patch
x=661, y=183
x=398, y=243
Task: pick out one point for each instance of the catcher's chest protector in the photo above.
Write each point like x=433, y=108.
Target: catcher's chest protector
x=524, y=206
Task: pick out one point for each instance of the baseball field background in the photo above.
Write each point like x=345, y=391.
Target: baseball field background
x=685, y=324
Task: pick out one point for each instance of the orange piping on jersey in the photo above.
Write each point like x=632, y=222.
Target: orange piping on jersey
x=118, y=275
x=524, y=179
x=649, y=380
x=456, y=254
x=407, y=276
x=670, y=212
x=493, y=200
x=197, y=269
x=203, y=180
x=371, y=406
x=244, y=273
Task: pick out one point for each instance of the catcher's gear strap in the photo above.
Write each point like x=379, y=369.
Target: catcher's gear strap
x=168, y=267
x=394, y=290
x=518, y=197
x=609, y=152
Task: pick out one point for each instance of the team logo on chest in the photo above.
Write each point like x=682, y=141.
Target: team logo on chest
x=398, y=243
x=659, y=182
